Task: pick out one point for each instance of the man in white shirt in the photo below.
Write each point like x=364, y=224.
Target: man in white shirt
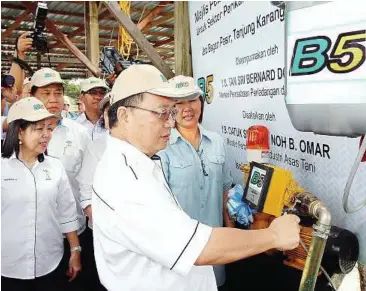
x=92, y=156
x=143, y=240
x=92, y=92
x=68, y=143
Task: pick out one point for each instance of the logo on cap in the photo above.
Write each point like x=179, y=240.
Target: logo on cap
x=38, y=106
x=181, y=85
x=49, y=75
x=94, y=81
x=163, y=78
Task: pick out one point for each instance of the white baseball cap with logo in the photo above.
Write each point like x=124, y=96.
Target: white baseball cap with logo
x=91, y=83
x=44, y=77
x=30, y=109
x=186, y=87
x=141, y=78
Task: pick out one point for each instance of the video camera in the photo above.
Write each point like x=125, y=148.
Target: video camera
x=39, y=39
x=111, y=61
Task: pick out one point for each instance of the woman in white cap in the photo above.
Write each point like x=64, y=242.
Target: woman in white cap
x=195, y=167
x=37, y=204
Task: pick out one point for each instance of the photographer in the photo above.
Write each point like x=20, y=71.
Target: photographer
x=23, y=44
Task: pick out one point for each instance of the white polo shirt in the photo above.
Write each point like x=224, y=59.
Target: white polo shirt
x=92, y=156
x=37, y=207
x=95, y=131
x=69, y=142
x=142, y=238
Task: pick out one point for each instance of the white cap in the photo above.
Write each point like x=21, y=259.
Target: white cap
x=140, y=78
x=44, y=77
x=91, y=83
x=30, y=109
x=186, y=87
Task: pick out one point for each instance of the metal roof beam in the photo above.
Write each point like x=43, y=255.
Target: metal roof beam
x=138, y=37
x=156, y=11
x=158, y=22
x=63, y=38
x=16, y=24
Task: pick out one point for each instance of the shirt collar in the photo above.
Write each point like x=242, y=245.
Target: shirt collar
x=206, y=133
x=82, y=118
x=175, y=135
x=64, y=122
x=14, y=156
x=134, y=157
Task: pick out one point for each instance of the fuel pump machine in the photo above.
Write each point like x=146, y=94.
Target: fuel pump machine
x=271, y=191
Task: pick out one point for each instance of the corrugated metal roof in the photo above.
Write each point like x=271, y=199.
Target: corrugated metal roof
x=69, y=17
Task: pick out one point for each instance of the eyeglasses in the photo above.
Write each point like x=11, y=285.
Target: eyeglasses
x=96, y=92
x=164, y=115
x=200, y=153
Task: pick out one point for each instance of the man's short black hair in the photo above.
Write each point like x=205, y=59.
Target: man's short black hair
x=129, y=101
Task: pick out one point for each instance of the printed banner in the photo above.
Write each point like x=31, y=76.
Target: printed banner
x=238, y=56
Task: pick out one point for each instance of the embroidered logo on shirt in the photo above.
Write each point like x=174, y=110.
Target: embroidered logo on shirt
x=48, y=178
x=68, y=144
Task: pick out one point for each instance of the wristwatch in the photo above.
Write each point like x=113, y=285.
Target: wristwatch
x=75, y=249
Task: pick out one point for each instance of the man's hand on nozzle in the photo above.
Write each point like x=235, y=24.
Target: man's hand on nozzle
x=286, y=230
x=24, y=44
